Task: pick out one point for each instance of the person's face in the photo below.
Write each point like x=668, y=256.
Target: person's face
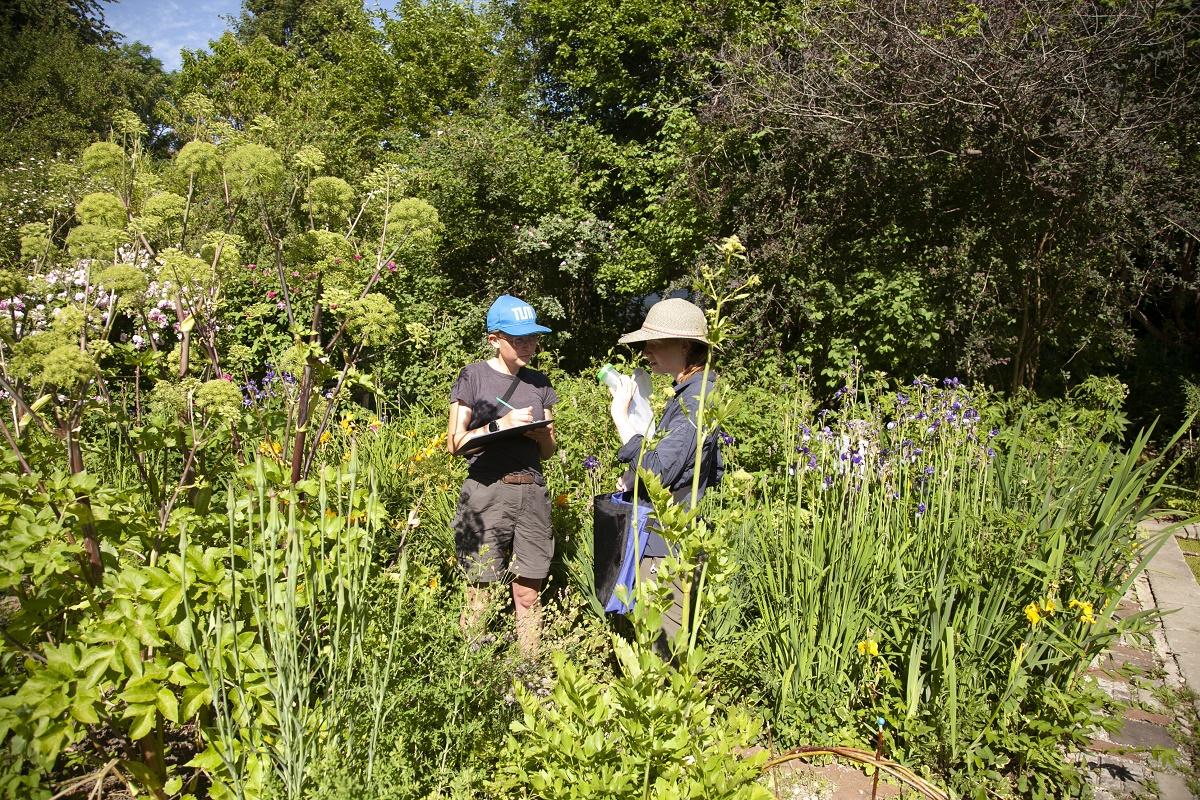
x=515, y=349
x=666, y=356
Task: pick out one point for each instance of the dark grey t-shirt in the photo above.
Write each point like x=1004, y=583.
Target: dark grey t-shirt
x=478, y=386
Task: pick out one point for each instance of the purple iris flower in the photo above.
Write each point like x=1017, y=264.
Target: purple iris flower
x=726, y=438
x=901, y=399
x=591, y=463
x=920, y=509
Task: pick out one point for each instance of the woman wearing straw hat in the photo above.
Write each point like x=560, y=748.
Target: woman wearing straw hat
x=674, y=338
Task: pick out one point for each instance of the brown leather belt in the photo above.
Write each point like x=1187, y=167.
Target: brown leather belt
x=520, y=478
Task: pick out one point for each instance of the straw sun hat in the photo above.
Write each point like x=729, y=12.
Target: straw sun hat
x=675, y=318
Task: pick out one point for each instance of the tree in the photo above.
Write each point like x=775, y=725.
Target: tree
x=83, y=18
x=988, y=184
x=63, y=77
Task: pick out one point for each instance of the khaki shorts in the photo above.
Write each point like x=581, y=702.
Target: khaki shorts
x=503, y=530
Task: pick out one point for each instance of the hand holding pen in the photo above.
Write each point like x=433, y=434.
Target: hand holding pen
x=515, y=416
x=521, y=416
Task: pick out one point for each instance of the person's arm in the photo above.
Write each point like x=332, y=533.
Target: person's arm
x=457, y=435
x=675, y=451
x=547, y=445
x=456, y=429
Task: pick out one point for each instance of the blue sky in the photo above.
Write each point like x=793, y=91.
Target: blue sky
x=169, y=26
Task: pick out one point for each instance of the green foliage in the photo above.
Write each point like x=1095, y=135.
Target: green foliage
x=61, y=87
x=443, y=59
x=104, y=161
x=652, y=732
x=329, y=200
x=94, y=242
x=103, y=209
x=199, y=160
x=955, y=582
x=219, y=399
x=253, y=171
x=580, y=156
x=127, y=281
x=412, y=230
x=66, y=366
x=35, y=243
x=920, y=235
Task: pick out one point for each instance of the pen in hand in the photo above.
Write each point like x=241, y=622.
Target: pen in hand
x=524, y=415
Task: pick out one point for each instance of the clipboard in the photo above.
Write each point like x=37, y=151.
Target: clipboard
x=506, y=433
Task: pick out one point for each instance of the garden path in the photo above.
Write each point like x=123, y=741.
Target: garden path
x=1151, y=680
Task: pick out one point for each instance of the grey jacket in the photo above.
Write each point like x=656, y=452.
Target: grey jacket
x=673, y=459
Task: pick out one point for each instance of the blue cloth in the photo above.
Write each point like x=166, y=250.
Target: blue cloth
x=634, y=548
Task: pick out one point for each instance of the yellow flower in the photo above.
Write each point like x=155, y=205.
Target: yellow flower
x=868, y=647
x=561, y=500
x=1048, y=606
x=1087, y=614
x=346, y=425
x=1033, y=614
x=325, y=437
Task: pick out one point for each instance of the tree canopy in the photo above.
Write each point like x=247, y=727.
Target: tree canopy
x=1006, y=191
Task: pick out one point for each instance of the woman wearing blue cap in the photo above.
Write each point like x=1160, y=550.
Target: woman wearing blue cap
x=502, y=526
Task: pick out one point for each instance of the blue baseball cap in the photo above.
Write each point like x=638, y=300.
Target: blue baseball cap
x=513, y=316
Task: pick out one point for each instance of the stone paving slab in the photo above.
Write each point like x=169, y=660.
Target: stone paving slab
x=1191, y=531
x=1120, y=765
x=1178, y=596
